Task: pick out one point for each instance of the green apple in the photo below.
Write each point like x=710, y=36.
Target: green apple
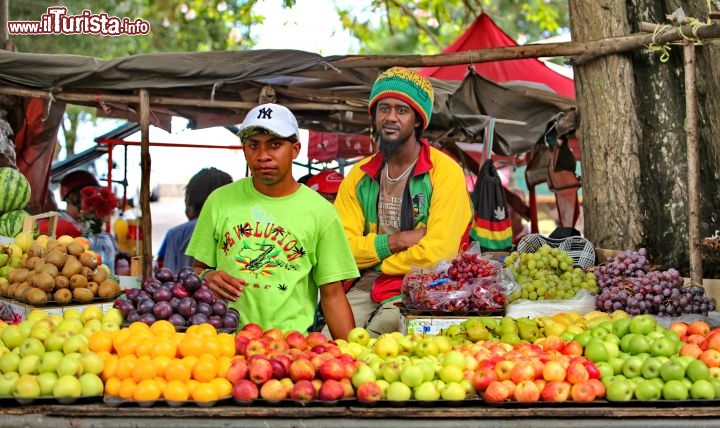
x=638, y=344
x=361, y=375
x=110, y=326
x=49, y=361
x=451, y=373
x=26, y=386
x=76, y=343
x=583, y=338
x=12, y=336
x=697, y=370
x=398, y=391
x=386, y=346
x=651, y=368
x=599, y=333
x=688, y=383
x=685, y=359
x=654, y=335
x=647, y=390
x=425, y=347
x=632, y=367
x=672, y=370
x=383, y=384
x=56, y=340
x=90, y=385
x=70, y=324
x=359, y=335
x=443, y=343
x=716, y=384
x=621, y=327
x=411, y=375
x=605, y=369
x=617, y=364
x=453, y=391
x=7, y=383
x=671, y=334
x=91, y=312
x=67, y=386
x=391, y=371
x=702, y=390
x=26, y=327
x=612, y=348
x=28, y=365
x=595, y=351
x=31, y=346
x=663, y=347
x=9, y=362
x=427, y=369
x=625, y=342
x=675, y=390
x=47, y=382
x=427, y=391
x=113, y=315
x=69, y=365
x=619, y=390
x=642, y=324
x=92, y=363
x=454, y=357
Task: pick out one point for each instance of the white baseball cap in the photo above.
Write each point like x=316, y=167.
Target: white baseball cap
x=273, y=118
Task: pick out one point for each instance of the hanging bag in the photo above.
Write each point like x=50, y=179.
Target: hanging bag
x=492, y=227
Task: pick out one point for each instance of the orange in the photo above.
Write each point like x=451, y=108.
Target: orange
x=163, y=347
x=125, y=366
x=105, y=355
x=112, y=386
x=144, y=369
x=147, y=390
x=127, y=346
x=205, y=369
x=191, y=345
x=127, y=389
x=144, y=346
x=223, y=364
x=227, y=344
x=222, y=386
x=204, y=392
x=100, y=341
x=138, y=326
x=202, y=329
x=161, y=382
x=212, y=346
x=120, y=336
x=191, y=385
x=190, y=361
x=110, y=366
x=176, y=391
x=161, y=363
x=177, y=370
x=162, y=326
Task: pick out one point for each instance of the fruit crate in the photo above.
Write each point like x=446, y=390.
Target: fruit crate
x=20, y=310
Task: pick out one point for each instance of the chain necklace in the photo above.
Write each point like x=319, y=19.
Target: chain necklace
x=395, y=180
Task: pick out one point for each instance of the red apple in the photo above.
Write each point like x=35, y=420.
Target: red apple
x=503, y=369
x=554, y=371
x=274, y=334
x=527, y=392
x=711, y=357
x=369, y=392
x=496, y=392
x=582, y=392
x=540, y=383
x=557, y=391
x=511, y=387
x=331, y=390
x=347, y=387
x=253, y=331
x=278, y=346
x=482, y=378
x=316, y=383
x=680, y=328
x=552, y=343
x=302, y=369
x=260, y=370
x=237, y=371
x=713, y=340
x=255, y=347
x=692, y=349
x=698, y=327
x=241, y=342
x=695, y=338
x=245, y=390
x=303, y=390
x=296, y=340
x=572, y=348
x=278, y=369
x=592, y=369
x=288, y=384
x=598, y=386
x=576, y=373
x=332, y=369
x=273, y=390
x=315, y=338
x=522, y=371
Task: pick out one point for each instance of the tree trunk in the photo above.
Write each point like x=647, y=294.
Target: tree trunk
x=632, y=131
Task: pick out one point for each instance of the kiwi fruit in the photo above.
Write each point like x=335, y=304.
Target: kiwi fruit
x=43, y=281
x=86, y=272
x=88, y=260
x=62, y=281
x=78, y=281
x=51, y=243
x=55, y=257
x=93, y=287
x=82, y=295
x=18, y=275
x=3, y=288
x=72, y=267
x=22, y=290
x=58, y=246
x=75, y=249
x=35, y=251
x=50, y=270
x=31, y=262
x=108, y=288
x=99, y=275
x=39, y=265
x=10, y=290
x=36, y=296
x=63, y=295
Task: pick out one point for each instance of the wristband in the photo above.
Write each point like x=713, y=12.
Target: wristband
x=205, y=272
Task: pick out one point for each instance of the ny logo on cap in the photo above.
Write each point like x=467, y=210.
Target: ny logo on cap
x=265, y=113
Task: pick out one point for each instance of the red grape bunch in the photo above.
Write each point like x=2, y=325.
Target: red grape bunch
x=627, y=283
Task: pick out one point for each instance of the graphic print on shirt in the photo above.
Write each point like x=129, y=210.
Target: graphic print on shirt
x=265, y=247
x=418, y=203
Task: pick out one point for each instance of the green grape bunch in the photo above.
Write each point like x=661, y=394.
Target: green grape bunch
x=547, y=274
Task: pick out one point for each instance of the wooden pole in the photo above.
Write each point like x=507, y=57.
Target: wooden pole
x=146, y=220
x=693, y=162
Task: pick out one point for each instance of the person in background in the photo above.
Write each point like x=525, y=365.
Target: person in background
x=172, y=250
x=326, y=183
x=70, y=186
x=405, y=206
x=268, y=244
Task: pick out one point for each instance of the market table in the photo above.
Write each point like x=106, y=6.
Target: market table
x=539, y=415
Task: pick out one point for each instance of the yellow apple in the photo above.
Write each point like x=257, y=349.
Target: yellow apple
x=65, y=239
x=42, y=241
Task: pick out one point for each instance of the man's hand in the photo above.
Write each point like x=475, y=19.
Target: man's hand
x=224, y=285
x=401, y=241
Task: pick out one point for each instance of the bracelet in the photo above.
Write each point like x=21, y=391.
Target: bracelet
x=205, y=272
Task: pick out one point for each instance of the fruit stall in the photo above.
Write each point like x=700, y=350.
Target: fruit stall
x=610, y=343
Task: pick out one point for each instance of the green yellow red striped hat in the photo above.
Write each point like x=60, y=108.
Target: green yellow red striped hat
x=406, y=85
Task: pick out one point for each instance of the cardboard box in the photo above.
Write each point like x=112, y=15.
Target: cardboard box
x=424, y=324
x=20, y=310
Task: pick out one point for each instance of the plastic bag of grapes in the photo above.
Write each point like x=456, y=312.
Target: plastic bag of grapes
x=433, y=291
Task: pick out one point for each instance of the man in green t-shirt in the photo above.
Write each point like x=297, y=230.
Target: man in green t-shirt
x=268, y=244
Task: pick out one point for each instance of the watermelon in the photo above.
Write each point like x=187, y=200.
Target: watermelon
x=14, y=190
x=11, y=223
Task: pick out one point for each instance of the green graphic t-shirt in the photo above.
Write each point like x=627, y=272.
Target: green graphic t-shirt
x=284, y=248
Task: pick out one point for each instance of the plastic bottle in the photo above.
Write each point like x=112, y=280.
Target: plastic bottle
x=121, y=231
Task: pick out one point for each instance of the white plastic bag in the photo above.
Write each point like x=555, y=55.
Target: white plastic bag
x=583, y=302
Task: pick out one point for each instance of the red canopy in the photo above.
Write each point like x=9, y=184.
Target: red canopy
x=484, y=34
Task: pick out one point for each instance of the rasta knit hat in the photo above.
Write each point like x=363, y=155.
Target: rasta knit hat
x=406, y=85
